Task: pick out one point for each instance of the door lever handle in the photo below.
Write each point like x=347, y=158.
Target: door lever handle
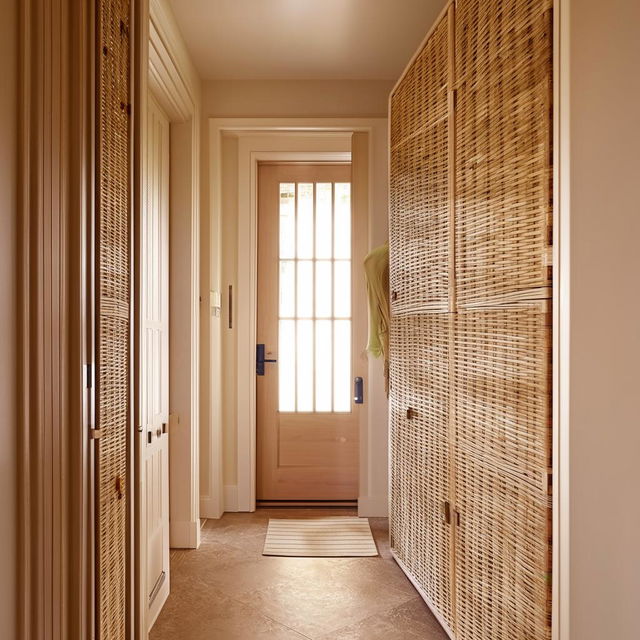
x=260, y=359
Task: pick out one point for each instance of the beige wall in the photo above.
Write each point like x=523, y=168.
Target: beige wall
x=8, y=394
x=603, y=244
x=298, y=98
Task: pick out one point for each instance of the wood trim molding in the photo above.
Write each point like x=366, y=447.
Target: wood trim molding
x=55, y=205
x=287, y=139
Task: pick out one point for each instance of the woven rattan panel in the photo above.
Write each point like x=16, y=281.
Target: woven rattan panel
x=419, y=207
x=113, y=319
x=420, y=457
x=503, y=62
x=503, y=433
x=502, y=382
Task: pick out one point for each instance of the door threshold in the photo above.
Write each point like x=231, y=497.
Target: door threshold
x=346, y=504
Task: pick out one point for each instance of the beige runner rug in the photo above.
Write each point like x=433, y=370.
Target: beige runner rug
x=319, y=537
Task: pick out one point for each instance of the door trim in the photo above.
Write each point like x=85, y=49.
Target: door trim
x=289, y=140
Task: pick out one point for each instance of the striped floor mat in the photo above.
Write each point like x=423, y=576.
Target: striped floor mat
x=319, y=537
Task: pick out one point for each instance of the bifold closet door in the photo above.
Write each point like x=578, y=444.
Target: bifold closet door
x=420, y=456
x=113, y=313
x=419, y=200
x=502, y=462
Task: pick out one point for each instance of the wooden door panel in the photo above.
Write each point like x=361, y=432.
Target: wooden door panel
x=307, y=441
x=155, y=360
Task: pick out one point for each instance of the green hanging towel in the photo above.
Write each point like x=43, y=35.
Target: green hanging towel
x=376, y=268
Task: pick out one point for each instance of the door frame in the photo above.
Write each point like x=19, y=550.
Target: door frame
x=165, y=70
x=289, y=140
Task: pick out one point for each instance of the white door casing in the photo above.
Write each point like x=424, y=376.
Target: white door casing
x=154, y=365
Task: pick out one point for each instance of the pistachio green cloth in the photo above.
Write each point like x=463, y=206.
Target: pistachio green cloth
x=376, y=268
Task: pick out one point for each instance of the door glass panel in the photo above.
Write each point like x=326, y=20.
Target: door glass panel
x=342, y=365
x=315, y=297
x=324, y=220
x=287, y=220
x=305, y=289
x=304, y=361
x=342, y=299
x=305, y=220
x=324, y=359
x=287, y=289
x=342, y=237
x=323, y=288
x=287, y=365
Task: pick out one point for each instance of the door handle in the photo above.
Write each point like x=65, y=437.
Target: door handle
x=260, y=359
x=358, y=390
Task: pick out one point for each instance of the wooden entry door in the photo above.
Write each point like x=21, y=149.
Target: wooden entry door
x=307, y=421
x=154, y=362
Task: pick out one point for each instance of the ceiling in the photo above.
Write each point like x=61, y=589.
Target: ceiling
x=303, y=39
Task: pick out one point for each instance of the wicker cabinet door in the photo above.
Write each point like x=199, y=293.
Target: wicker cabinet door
x=419, y=198
x=113, y=292
x=503, y=70
x=420, y=457
x=502, y=458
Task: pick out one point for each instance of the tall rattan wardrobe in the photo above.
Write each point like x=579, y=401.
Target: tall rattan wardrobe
x=470, y=355
x=113, y=279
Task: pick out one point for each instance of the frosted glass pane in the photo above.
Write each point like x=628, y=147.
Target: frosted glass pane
x=305, y=289
x=287, y=366
x=305, y=220
x=323, y=289
x=342, y=220
x=304, y=361
x=287, y=220
x=324, y=377
x=342, y=289
x=287, y=288
x=342, y=365
x=324, y=220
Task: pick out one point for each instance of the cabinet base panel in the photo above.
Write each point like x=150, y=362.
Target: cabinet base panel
x=424, y=596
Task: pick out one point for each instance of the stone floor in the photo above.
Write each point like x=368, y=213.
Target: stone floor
x=227, y=589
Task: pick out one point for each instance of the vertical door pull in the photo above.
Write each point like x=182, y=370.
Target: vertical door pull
x=446, y=511
x=358, y=390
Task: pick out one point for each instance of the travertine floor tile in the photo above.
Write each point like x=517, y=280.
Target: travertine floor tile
x=410, y=621
x=227, y=589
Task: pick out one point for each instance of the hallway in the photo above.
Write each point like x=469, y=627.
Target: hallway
x=227, y=589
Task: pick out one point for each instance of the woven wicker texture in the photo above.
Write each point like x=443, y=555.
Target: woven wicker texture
x=502, y=555
x=420, y=458
x=503, y=389
x=477, y=380
x=503, y=62
x=419, y=206
x=113, y=331
x=503, y=444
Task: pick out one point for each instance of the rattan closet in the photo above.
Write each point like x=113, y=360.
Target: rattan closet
x=470, y=361
x=113, y=277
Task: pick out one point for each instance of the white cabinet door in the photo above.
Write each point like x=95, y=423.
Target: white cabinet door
x=154, y=362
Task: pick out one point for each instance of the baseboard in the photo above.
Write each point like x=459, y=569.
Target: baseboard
x=373, y=506
x=184, y=534
x=210, y=508
x=231, y=497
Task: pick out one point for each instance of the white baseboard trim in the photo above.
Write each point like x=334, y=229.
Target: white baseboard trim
x=184, y=534
x=210, y=508
x=231, y=497
x=373, y=506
